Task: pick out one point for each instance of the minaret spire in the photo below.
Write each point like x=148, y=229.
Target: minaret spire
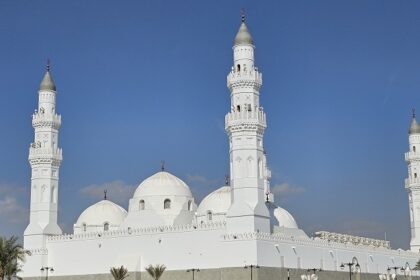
x=242, y=15
x=45, y=158
x=245, y=125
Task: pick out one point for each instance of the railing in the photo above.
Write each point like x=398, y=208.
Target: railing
x=46, y=119
x=412, y=156
x=45, y=153
x=246, y=76
x=245, y=117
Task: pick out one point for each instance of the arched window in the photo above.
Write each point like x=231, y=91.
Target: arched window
x=238, y=67
x=167, y=204
x=106, y=226
x=238, y=108
x=84, y=227
x=414, y=148
x=415, y=175
x=209, y=216
x=141, y=205
x=189, y=205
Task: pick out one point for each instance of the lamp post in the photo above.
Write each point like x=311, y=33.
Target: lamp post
x=47, y=269
x=350, y=265
x=395, y=268
x=288, y=274
x=193, y=270
x=251, y=267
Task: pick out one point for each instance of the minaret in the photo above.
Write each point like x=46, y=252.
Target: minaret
x=45, y=158
x=412, y=183
x=245, y=125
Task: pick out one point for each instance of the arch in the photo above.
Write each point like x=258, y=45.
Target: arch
x=238, y=108
x=167, y=204
x=141, y=205
x=84, y=227
x=43, y=193
x=106, y=226
x=209, y=216
x=189, y=205
x=238, y=67
x=414, y=148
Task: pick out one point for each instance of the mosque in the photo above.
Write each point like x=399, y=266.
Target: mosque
x=236, y=232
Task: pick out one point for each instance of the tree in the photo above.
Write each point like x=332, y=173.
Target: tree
x=417, y=267
x=11, y=253
x=156, y=271
x=11, y=270
x=119, y=273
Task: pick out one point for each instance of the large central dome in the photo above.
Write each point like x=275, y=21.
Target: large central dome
x=162, y=183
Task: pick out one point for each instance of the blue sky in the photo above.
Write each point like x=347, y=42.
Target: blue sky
x=142, y=81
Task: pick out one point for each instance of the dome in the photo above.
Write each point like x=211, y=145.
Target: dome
x=162, y=184
x=104, y=211
x=47, y=82
x=217, y=202
x=414, y=127
x=243, y=37
x=284, y=218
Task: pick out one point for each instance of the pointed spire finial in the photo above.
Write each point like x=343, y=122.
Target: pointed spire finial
x=414, y=113
x=227, y=180
x=242, y=15
x=162, y=165
x=48, y=65
x=105, y=192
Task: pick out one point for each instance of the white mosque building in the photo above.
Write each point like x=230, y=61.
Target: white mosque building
x=237, y=225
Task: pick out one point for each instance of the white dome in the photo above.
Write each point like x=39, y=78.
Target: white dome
x=162, y=184
x=217, y=202
x=284, y=218
x=104, y=211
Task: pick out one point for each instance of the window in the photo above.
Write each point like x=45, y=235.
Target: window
x=189, y=205
x=141, y=205
x=106, y=226
x=209, y=216
x=167, y=204
x=238, y=67
x=84, y=227
x=415, y=175
x=414, y=148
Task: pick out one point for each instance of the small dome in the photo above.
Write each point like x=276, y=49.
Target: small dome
x=47, y=82
x=162, y=184
x=284, y=218
x=102, y=212
x=414, y=127
x=218, y=201
x=243, y=37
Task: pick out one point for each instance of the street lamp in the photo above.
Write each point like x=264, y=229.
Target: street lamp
x=395, y=268
x=193, y=270
x=310, y=276
x=251, y=267
x=47, y=269
x=350, y=265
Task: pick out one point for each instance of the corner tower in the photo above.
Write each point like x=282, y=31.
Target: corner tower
x=245, y=125
x=45, y=158
x=412, y=183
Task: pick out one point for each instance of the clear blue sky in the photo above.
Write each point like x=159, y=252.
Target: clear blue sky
x=142, y=81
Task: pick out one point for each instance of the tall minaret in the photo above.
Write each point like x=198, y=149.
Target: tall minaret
x=245, y=125
x=45, y=158
x=412, y=183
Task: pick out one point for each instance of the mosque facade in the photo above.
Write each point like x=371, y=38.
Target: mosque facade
x=235, y=229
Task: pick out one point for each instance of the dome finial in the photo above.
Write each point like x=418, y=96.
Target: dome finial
x=105, y=192
x=242, y=15
x=48, y=65
x=414, y=112
x=162, y=165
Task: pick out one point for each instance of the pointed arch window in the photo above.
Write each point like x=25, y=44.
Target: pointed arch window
x=414, y=148
x=209, y=216
x=167, y=204
x=190, y=205
x=84, y=226
x=106, y=226
x=141, y=205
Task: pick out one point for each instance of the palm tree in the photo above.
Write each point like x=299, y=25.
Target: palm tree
x=11, y=270
x=11, y=253
x=417, y=267
x=119, y=273
x=156, y=271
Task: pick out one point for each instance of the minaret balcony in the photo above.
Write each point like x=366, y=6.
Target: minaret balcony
x=236, y=118
x=245, y=78
x=46, y=153
x=409, y=156
x=46, y=120
x=412, y=182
